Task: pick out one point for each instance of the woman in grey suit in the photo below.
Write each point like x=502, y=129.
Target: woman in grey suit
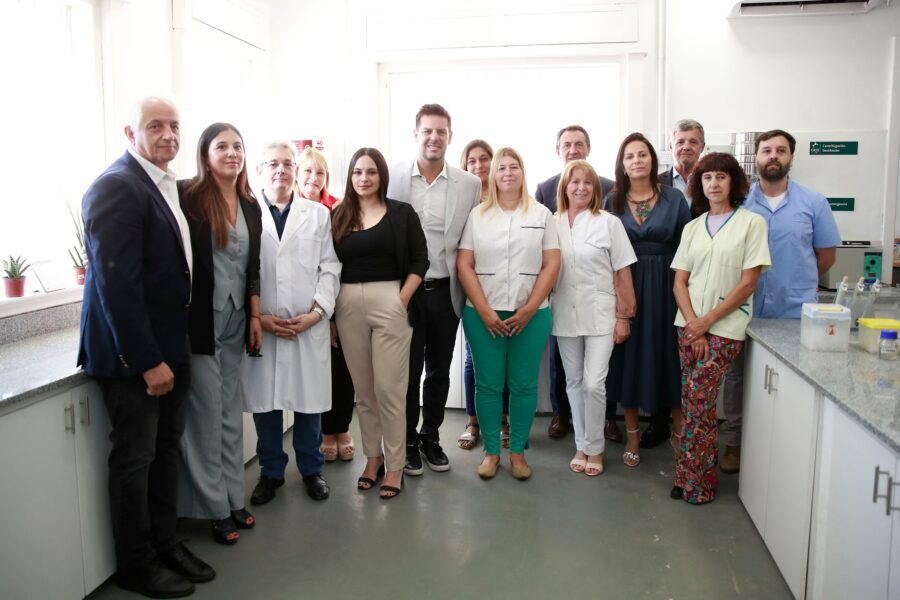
x=225, y=223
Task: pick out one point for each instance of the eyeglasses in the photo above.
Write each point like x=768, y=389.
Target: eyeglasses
x=287, y=165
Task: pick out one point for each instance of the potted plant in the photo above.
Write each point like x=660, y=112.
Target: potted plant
x=14, y=282
x=77, y=253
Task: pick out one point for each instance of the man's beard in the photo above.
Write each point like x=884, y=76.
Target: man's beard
x=775, y=174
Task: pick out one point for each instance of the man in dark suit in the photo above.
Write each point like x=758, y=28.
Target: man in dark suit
x=572, y=143
x=687, y=143
x=134, y=343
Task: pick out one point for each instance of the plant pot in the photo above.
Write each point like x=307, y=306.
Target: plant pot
x=15, y=288
x=79, y=274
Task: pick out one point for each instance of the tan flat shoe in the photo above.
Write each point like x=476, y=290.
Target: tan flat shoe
x=487, y=469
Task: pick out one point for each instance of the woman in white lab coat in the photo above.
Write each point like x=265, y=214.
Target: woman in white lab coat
x=592, y=304
x=508, y=261
x=299, y=277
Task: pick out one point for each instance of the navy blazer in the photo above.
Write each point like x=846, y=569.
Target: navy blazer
x=201, y=329
x=138, y=285
x=666, y=177
x=546, y=190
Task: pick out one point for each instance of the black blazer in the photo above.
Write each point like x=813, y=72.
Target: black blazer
x=412, y=252
x=546, y=190
x=201, y=328
x=136, y=293
x=666, y=176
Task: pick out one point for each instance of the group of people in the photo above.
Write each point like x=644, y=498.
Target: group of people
x=644, y=285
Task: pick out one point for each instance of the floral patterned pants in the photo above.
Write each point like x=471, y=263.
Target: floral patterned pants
x=695, y=471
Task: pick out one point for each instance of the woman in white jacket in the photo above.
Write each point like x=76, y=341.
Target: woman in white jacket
x=592, y=305
x=299, y=279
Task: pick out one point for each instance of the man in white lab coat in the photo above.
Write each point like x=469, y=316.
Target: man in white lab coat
x=299, y=278
x=442, y=196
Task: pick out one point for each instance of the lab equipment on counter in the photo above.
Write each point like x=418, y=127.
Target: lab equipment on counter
x=870, y=332
x=825, y=327
x=854, y=258
x=888, y=347
x=842, y=290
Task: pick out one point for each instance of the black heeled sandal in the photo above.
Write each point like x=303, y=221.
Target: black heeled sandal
x=367, y=483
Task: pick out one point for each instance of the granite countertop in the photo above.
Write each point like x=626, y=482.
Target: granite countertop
x=39, y=364
x=865, y=386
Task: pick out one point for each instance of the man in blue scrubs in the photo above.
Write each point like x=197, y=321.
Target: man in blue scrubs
x=802, y=240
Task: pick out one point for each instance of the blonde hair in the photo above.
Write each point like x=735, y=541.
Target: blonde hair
x=562, y=201
x=310, y=154
x=525, y=199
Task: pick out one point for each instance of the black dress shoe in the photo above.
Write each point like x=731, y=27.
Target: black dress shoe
x=434, y=455
x=559, y=427
x=612, y=432
x=677, y=493
x=413, y=466
x=655, y=435
x=265, y=490
x=316, y=486
x=182, y=561
x=154, y=581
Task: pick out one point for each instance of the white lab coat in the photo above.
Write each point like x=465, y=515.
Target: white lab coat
x=295, y=271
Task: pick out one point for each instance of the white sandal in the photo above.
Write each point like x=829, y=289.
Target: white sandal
x=593, y=469
x=631, y=459
x=577, y=465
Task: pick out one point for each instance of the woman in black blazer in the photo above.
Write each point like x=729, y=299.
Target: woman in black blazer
x=225, y=223
x=381, y=245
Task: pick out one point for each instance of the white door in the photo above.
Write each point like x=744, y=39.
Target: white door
x=756, y=434
x=40, y=553
x=894, y=580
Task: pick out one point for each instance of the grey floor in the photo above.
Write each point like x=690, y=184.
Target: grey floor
x=451, y=535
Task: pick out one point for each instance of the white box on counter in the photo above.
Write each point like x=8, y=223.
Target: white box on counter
x=825, y=327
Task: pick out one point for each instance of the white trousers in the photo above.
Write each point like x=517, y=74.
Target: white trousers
x=586, y=360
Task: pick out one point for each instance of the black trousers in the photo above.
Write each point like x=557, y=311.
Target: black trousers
x=432, y=348
x=143, y=465
x=337, y=420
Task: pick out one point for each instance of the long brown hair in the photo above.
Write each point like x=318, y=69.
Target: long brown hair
x=347, y=216
x=623, y=183
x=202, y=198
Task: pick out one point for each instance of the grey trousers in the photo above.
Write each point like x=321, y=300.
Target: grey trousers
x=733, y=402
x=211, y=481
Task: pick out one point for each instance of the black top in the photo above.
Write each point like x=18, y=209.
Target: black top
x=369, y=255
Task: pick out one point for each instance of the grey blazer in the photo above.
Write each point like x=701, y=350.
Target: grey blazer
x=463, y=193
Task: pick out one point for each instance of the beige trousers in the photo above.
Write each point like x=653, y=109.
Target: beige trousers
x=375, y=335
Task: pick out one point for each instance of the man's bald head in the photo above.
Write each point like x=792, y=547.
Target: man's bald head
x=154, y=130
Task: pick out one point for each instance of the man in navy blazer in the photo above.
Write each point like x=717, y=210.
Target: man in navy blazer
x=687, y=142
x=134, y=343
x=572, y=143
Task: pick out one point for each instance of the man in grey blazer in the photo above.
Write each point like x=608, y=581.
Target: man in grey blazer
x=443, y=196
x=687, y=142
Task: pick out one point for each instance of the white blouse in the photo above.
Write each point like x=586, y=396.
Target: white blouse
x=508, y=249
x=593, y=249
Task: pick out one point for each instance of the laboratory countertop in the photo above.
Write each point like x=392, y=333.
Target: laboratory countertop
x=865, y=386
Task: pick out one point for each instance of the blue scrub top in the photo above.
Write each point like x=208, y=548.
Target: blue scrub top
x=801, y=222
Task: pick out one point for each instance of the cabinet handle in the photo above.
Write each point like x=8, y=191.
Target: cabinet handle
x=69, y=416
x=766, y=380
x=773, y=381
x=891, y=485
x=875, y=494
x=85, y=403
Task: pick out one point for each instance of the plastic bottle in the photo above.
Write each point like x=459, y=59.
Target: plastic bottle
x=887, y=348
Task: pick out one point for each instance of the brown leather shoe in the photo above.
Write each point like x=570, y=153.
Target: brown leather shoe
x=612, y=432
x=559, y=427
x=731, y=462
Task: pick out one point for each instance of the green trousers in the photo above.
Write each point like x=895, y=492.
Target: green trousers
x=514, y=360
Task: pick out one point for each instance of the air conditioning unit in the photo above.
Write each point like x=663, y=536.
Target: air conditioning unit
x=796, y=8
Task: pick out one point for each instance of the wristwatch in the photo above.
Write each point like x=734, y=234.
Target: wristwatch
x=319, y=311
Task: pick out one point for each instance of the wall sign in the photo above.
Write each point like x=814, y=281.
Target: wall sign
x=833, y=148
x=842, y=204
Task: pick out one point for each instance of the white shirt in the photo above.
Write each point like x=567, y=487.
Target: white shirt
x=774, y=201
x=166, y=183
x=680, y=184
x=508, y=249
x=592, y=250
x=430, y=203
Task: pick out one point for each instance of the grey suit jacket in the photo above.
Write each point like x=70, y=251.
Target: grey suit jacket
x=463, y=194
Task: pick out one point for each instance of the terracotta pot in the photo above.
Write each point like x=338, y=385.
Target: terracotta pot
x=15, y=288
x=79, y=274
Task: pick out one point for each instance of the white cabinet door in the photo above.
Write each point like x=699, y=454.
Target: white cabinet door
x=91, y=461
x=790, y=488
x=894, y=578
x=852, y=542
x=41, y=543
x=756, y=435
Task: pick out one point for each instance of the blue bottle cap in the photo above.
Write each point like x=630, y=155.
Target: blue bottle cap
x=888, y=334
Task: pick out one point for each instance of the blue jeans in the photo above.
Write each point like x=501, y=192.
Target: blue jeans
x=307, y=439
x=469, y=382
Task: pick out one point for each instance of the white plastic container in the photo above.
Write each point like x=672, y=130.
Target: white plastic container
x=825, y=327
x=870, y=332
